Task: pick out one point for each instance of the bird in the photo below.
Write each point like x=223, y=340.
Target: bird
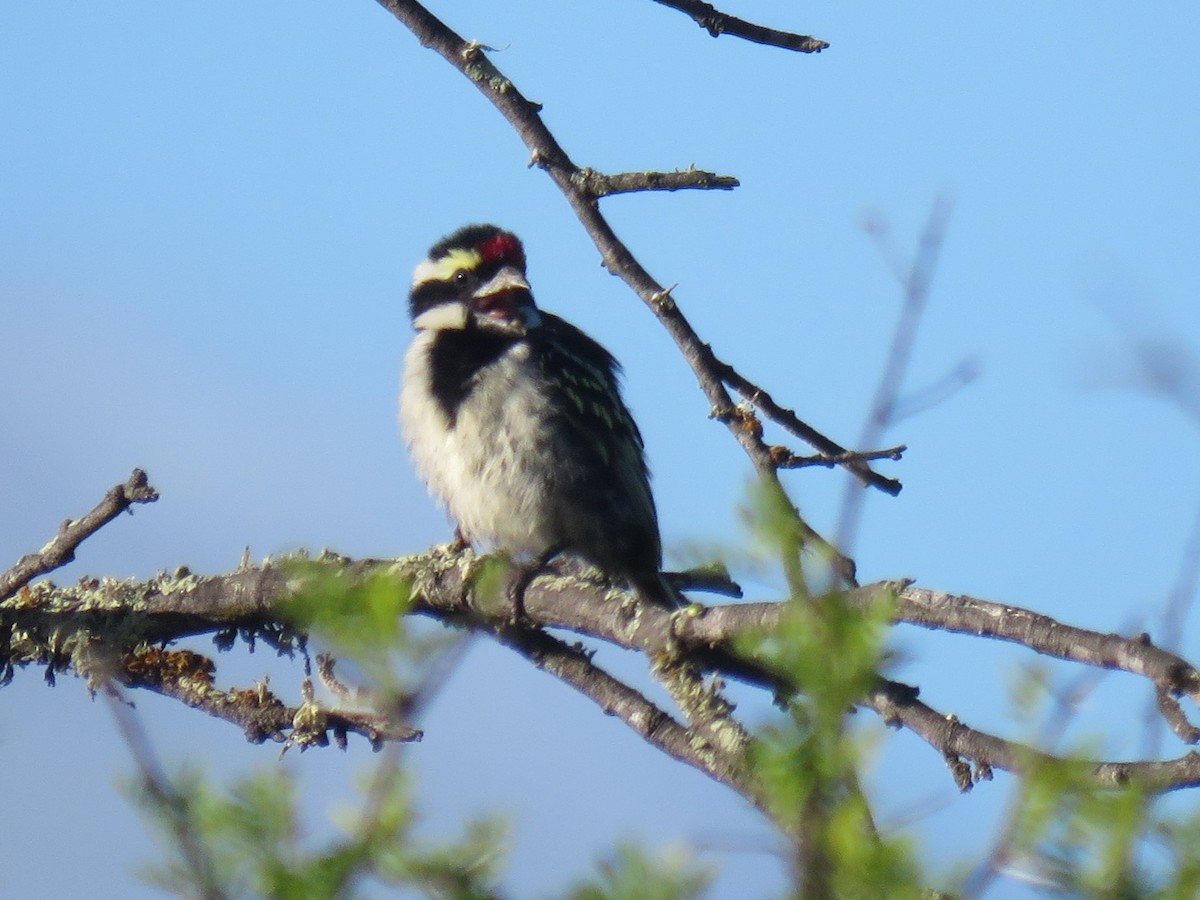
x=515, y=420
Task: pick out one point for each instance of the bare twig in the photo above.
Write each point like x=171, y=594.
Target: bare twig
x=916, y=279
x=1171, y=711
x=73, y=532
x=718, y=23
x=1067, y=700
x=1174, y=613
x=1161, y=362
x=934, y=394
x=788, y=419
x=898, y=705
x=789, y=460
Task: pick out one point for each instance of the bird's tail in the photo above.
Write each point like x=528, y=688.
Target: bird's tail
x=655, y=588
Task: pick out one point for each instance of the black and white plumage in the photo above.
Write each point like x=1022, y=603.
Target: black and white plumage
x=515, y=420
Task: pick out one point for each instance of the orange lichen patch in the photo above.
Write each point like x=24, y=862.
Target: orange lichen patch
x=746, y=420
x=780, y=456
x=24, y=598
x=158, y=666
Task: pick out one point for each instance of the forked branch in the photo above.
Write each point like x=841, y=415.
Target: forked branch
x=73, y=532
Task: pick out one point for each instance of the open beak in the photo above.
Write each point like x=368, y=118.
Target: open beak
x=505, y=301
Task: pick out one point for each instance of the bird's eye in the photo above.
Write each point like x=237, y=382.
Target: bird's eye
x=462, y=276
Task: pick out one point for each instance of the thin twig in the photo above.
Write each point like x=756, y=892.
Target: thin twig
x=718, y=23
x=1067, y=700
x=73, y=532
x=789, y=460
x=916, y=282
x=898, y=705
x=1174, y=614
x=984, y=618
x=788, y=419
x=937, y=392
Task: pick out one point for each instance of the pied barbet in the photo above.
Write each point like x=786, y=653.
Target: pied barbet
x=515, y=420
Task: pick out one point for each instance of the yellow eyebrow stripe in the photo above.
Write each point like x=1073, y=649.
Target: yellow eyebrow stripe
x=443, y=269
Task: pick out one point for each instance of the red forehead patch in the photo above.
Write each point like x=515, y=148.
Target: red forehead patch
x=503, y=247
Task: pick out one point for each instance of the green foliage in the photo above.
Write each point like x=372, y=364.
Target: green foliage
x=1081, y=838
x=364, y=616
x=246, y=840
x=489, y=577
x=363, y=619
x=829, y=651
x=632, y=874
x=249, y=837
x=1181, y=839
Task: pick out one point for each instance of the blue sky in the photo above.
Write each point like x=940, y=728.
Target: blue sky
x=208, y=216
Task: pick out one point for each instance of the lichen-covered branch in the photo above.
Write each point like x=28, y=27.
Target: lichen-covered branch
x=189, y=677
x=61, y=627
x=111, y=631
x=600, y=185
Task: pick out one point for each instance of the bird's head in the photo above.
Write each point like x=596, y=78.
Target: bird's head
x=474, y=278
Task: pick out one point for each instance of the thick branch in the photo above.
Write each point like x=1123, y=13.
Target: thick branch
x=72, y=533
x=718, y=23
x=50, y=625
x=970, y=615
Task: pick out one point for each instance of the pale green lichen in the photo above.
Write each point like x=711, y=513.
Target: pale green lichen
x=703, y=706
x=309, y=726
x=479, y=68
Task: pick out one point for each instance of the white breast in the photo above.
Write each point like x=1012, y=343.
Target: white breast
x=490, y=467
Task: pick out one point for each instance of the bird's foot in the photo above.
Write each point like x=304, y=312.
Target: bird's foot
x=523, y=574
